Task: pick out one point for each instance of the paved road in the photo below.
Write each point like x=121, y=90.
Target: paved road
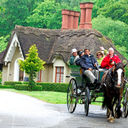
x=20, y=111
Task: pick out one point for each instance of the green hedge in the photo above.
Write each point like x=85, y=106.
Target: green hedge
x=6, y=86
x=58, y=87
x=14, y=83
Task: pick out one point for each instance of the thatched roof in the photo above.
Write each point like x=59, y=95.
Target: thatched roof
x=1, y=56
x=51, y=43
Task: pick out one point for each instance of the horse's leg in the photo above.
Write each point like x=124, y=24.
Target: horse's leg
x=118, y=108
x=110, y=110
x=114, y=104
x=108, y=113
x=110, y=118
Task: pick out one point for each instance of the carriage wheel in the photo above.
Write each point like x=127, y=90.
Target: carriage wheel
x=86, y=104
x=71, y=95
x=125, y=104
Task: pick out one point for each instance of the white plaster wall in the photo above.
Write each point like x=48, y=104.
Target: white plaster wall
x=68, y=71
x=4, y=74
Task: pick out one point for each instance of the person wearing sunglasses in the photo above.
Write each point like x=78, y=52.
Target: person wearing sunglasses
x=100, y=57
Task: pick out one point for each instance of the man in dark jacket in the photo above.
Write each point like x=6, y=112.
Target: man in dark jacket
x=88, y=63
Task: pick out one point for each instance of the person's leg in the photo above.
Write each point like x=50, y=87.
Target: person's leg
x=96, y=74
x=90, y=75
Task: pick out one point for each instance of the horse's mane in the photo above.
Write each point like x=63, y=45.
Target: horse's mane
x=119, y=65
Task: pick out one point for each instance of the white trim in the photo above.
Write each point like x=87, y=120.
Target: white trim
x=12, y=48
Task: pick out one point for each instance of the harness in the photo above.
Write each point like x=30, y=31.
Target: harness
x=112, y=78
x=109, y=73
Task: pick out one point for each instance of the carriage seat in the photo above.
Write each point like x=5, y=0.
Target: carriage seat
x=75, y=71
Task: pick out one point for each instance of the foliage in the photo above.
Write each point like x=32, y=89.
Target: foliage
x=3, y=42
x=32, y=64
x=13, y=83
x=15, y=12
x=123, y=50
x=46, y=15
x=116, y=9
x=57, y=87
x=115, y=30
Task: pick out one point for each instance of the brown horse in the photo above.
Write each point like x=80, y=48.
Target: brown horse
x=113, y=84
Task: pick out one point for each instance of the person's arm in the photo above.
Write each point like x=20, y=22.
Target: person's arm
x=94, y=61
x=71, y=61
x=78, y=61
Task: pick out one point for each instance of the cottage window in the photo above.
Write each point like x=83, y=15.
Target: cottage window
x=59, y=76
x=39, y=75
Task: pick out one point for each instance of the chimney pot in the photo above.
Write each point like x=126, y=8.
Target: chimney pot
x=70, y=19
x=65, y=12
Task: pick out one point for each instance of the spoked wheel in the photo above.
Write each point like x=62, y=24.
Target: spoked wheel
x=86, y=104
x=71, y=95
x=125, y=104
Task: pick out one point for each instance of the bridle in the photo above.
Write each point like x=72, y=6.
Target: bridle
x=113, y=79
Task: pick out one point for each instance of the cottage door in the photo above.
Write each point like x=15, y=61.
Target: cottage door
x=21, y=75
x=18, y=74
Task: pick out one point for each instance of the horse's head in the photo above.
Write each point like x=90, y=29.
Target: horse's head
x=118, y=75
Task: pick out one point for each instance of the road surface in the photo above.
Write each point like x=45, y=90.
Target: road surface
x=20, y=111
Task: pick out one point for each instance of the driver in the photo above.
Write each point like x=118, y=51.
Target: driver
x=88, y=64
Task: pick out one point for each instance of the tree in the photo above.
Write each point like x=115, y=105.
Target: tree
x=47, y=15
x=32, y=64
x=116, y=9
x=115, y=30
x=3, y=42
x=14, y=12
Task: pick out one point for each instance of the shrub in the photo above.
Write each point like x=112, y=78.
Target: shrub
x=58, y=87
x=14, y=83
x=21, y=86
x=6, y=86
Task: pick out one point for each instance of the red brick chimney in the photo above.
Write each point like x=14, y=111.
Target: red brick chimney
x=70, y=19
x=76, y=19
x=86, y=14
x=65, y=19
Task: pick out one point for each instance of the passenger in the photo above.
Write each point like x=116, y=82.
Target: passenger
x=80, y=53
x=110, y=60
x=73, y=57
x=104, y=51
x=88, y=64
x=100, y=57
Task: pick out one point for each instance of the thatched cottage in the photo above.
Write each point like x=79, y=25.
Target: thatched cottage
x=54, y=46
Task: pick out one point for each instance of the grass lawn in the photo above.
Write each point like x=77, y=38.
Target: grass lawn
x=49, y=96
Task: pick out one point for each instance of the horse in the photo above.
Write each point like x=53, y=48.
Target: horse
x=113, y=86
